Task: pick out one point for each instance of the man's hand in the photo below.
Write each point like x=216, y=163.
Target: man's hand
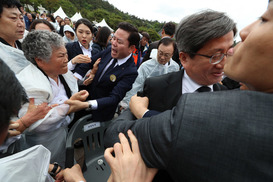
x=127, y=165
x=73, y=174
x=91, y=75
x=76, y=105
x=81, y=95
x=138, y=105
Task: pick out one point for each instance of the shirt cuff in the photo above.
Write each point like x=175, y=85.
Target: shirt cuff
x=94, y=104
x=145, y=112
x=71, y=66
x=77, y=75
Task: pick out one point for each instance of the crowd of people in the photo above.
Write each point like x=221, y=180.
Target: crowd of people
x=176, y=113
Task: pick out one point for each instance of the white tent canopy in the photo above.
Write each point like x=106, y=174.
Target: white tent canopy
x=104, y=24
x=76, y=17
x=60, y=12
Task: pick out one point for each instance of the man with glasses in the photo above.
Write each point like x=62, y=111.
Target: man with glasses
x=207, y=37
x=160, y=64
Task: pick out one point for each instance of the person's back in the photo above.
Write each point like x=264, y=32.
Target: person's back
x=209, y=136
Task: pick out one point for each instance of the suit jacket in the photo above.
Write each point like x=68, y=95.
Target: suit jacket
x=154, y=45
x=112, y=87
x=222, y=136
x=74, y=49
x=164, y=91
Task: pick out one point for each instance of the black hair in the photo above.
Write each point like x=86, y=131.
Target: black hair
x=85, y=22
x=37, y=21
x=9, y=4
x=169, y=28
x=51, y=17
x=133, y=33
x=102, y=36
x=12, y=95
x=167, y=41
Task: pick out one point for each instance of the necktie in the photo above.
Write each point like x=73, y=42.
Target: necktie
x=111, y=66
x=203, y=89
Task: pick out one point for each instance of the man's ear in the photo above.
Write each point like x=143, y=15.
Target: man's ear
x=132, y=48
x=184, y=58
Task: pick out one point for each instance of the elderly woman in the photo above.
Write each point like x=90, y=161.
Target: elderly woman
x=47, y=80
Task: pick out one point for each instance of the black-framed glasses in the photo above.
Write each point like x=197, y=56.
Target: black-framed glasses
x=215, y=58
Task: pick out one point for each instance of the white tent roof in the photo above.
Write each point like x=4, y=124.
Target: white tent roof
x=60, y=12
x=103, y=23
x=76, y=17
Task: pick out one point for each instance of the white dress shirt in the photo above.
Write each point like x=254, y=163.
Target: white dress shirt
x=190, y=86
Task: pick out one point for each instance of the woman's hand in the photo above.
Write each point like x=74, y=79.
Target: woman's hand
x=80, y=59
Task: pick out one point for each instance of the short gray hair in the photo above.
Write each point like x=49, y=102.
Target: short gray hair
x=194, y=31
x=40, y=44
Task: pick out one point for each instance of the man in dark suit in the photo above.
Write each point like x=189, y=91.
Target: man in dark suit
x=167, y=31
x=223, y=136
x=116, y=73
x=202, y=54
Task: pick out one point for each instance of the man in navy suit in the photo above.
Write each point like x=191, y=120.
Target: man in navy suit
x=116, y=73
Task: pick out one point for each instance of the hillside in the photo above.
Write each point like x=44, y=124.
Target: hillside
x=97, y=10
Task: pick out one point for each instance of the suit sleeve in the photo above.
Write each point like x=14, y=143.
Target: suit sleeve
x=151, y=113
x=118, y=92
x=156, y=136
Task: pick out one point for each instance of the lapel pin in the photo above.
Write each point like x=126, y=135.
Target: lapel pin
x=113, y=78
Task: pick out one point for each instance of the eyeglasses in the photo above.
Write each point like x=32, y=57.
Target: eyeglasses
x=215, y=58
x=167, y=56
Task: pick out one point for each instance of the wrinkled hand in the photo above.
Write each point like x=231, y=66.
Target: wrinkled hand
x=36, y=112
x=138, y=105
x=13, y=126
x=127, y=165
x=81, y=59
x=91, y=75
x=81, y=95
x=73, y=174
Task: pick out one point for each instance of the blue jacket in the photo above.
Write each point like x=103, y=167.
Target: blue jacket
x=113, y=85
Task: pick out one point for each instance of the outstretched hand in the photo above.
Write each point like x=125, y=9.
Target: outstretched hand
x=34, y=113
x=128, y=165
x=91, y=75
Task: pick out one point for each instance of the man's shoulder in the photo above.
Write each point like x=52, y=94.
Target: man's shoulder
x=154, y=44
x=168, y=76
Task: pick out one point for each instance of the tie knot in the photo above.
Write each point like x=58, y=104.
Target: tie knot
x=203, y=89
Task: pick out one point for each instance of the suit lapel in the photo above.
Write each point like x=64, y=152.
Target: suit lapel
x=174, y=87
x=102, y=65
x=77, y=48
